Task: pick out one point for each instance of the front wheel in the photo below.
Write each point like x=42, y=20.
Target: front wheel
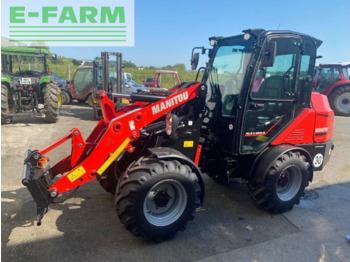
x=284, y=183
x=339, y=100
x=156, y=198
x=66, y=99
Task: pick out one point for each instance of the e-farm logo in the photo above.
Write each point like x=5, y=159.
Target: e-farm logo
x=72, y=25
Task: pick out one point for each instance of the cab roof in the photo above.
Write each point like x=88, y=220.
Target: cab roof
x=17, y=50
x=335, y=64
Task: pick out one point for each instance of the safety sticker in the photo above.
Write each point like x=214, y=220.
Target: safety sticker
x=77, y=173
x=188, y=143
x=132, y=125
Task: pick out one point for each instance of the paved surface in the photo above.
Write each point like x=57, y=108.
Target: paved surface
x=228, y=228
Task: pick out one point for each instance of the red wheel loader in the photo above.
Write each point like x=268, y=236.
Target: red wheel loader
x=252, y=116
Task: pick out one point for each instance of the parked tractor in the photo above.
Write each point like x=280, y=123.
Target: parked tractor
x=26, y=85
x=252, y=116
x=333, y=80
x=156, y=81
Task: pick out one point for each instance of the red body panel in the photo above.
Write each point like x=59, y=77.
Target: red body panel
x=334, y=85
x=324, y=118
x=71, y=88
x=313, y=125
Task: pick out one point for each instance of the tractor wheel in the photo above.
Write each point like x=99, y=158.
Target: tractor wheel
x=109, y=179
x=339, y=100
x=52, y=102
x=284, y=184
x=90, y=100
x=156, y=198
x=5, y=119
x=4, y=100
x=66, y=99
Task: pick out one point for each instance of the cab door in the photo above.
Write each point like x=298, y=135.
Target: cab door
x=271, y=99
x=82, y=82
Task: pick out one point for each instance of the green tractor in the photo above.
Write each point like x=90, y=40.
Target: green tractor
x=26, y=86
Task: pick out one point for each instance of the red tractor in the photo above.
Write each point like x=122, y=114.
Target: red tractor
x=156, y=81
x=253, y=116
x=333, y=80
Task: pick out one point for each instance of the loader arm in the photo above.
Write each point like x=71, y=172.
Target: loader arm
x=111, y=138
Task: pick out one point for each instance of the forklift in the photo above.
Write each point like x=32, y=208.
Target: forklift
x=108, y=76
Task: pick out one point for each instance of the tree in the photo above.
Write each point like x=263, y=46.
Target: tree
x=129, y=64
x=179, y=67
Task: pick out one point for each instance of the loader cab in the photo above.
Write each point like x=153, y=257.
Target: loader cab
x=258, y=83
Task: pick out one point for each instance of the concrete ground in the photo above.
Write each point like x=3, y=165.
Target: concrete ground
x=228, y=227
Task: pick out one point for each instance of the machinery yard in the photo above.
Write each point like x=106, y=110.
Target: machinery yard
x=229, y=227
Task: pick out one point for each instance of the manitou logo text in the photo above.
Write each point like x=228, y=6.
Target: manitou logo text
x=173, y=101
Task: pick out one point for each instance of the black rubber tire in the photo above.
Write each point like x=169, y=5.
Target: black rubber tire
x=52, y=103
x=109, y=179
x=291, y=168
x=66, y=99
x=334, y=100
x=4, y=105
x=133, y=195
x=4, y=100
x=81, y=100
x=90, y=100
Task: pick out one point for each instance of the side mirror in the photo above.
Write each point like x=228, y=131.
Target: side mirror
x=194, y=61
x=269, y=55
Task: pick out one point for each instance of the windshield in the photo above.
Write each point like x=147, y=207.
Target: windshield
x=132, y=83
x=346, y=72
x=83, y=75
x=229, y=66
x=25, y=65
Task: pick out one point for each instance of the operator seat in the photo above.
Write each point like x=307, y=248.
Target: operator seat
x=230, y=102
x=271, y=88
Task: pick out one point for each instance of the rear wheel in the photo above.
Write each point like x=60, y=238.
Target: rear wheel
x=90, y=100
x=156, y=198
x=52, y=102
x=339, y=100
x=66, y=99
x=284, y=184
x=4, y=105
